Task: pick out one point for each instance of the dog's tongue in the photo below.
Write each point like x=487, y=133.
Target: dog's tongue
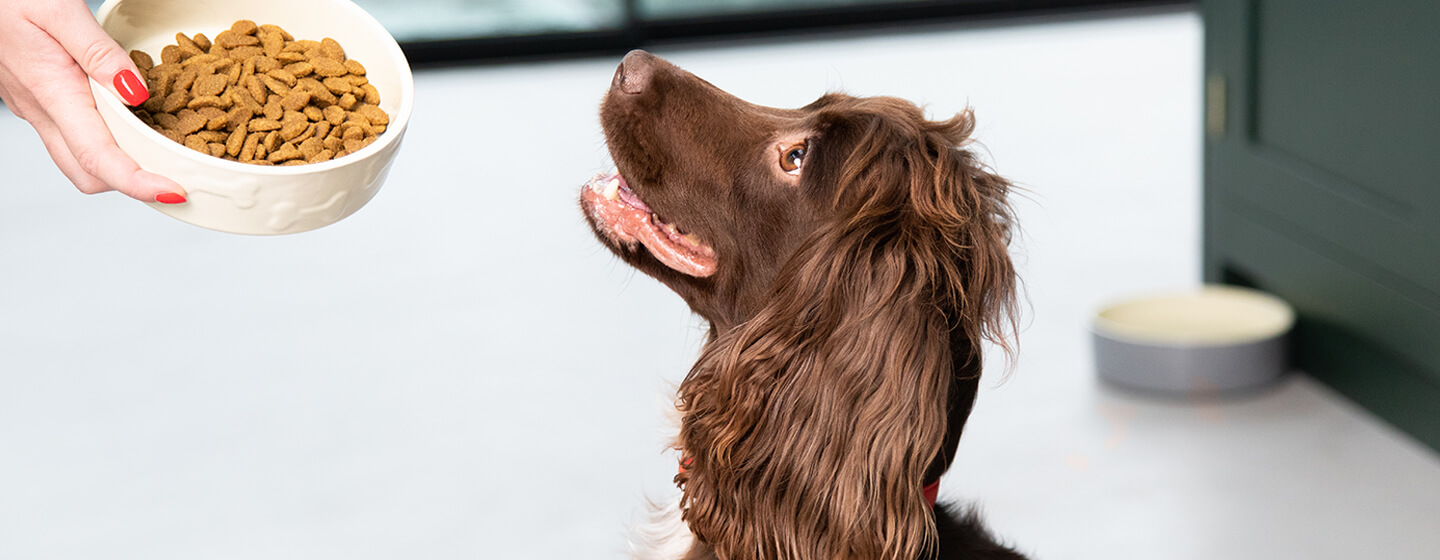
x=675, y=253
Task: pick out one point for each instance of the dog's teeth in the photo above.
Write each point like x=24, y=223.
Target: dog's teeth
x=611, y=189
x=693, y=240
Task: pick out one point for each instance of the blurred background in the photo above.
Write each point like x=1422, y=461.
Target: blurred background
x=459, y=370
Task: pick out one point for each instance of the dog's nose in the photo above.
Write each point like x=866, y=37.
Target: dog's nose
x=633, y=74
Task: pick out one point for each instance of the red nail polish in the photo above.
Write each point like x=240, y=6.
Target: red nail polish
x=131, y=88
x=169, y=198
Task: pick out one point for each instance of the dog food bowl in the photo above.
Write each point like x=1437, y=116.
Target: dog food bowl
x=1215, y=340
x=251, y=199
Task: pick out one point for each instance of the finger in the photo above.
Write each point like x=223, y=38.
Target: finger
x=24, y=106
x=98, y=54
x=60, y=153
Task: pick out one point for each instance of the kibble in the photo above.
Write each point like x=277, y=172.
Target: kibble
x=255, y=94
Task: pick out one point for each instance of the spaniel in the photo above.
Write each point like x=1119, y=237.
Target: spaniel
x=850, y=257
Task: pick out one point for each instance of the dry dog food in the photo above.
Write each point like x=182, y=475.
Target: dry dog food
x=255, y=94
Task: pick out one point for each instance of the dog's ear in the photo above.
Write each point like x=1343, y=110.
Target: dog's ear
x=808, y=429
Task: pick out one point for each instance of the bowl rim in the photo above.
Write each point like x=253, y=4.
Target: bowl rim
x=398, y=121
x=1104, y=326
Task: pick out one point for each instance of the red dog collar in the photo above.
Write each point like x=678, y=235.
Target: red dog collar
x=932, y=490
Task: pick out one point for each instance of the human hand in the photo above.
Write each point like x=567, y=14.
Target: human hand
x=47, y=48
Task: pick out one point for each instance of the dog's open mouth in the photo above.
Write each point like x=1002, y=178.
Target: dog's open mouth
x=626, y=219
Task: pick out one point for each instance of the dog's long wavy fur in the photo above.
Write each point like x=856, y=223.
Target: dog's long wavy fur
x=810, y=425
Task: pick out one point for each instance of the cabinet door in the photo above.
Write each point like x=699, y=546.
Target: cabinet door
x=1323, y=185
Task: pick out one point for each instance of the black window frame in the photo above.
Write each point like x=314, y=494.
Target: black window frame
x=639, y=32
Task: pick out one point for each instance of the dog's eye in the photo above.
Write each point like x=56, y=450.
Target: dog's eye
x=792, y=159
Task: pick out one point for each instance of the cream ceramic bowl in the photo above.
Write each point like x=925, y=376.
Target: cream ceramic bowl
x=250, y=199
x=1214, y=340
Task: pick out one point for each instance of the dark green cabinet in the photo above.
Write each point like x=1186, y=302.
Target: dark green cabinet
x=1322, y=185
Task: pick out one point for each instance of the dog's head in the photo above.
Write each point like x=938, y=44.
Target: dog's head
x=850, y=256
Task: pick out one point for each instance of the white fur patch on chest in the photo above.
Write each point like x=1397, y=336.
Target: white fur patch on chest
x=665, y=536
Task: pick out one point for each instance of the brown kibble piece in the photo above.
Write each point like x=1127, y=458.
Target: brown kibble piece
x=252, y=141
x=244, y=27
x=188, y=48
x=374, y=114
x=195, y=62
x=275, y=85
x=166, y=120
x=202, y=41
x=347, y=101
x=170, y=54
x=290, y=130
x=309, y=133
x=311, y=146
x=213, y=84
x=142, y=60
x=255, y=88
x=353, y=132
x=324, y=155
x=264, y=125
x=276, y=29
x=283, y=76
x=176, y=101
x=271, y=42
x=184, y=80
x=329, y=67
x=235, y=142
x=334, y=114
x=233, y=77
x=286, y=152
x=331, y=49
x=207, y=101
x=338, y=86
x=300, y=69
x=273, y=110
x=245, y=53
x=195, y=143
x=211, y=136
x=238, y=114
x=216, y=149
x=156, y=102
x=354, y=67
x=229, y=39
x=322, y=96
x=372, y=95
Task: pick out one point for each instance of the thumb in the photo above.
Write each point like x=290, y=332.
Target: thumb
x=97, y=53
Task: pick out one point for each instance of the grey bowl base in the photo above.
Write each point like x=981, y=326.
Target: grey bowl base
x=1190, y=370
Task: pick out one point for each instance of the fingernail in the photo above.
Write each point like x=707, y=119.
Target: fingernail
x=170, y=198
x=132, y=89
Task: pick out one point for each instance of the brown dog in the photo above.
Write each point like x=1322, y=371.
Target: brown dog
x=850, y=257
